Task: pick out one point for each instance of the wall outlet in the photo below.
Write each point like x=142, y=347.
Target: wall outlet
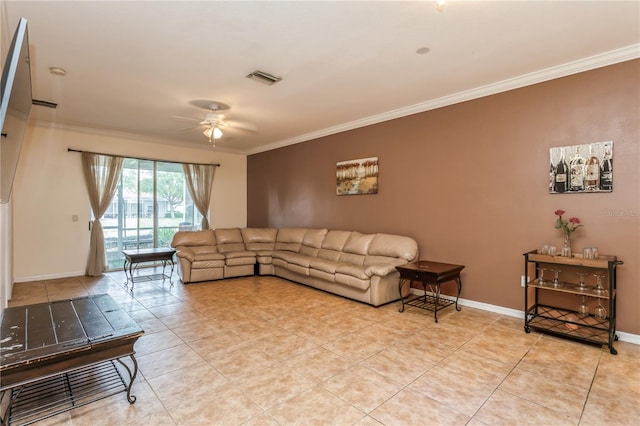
x=523, y=280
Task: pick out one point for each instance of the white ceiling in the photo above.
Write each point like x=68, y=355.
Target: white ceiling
x=132, y=66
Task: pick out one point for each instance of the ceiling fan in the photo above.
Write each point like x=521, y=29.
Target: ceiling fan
x=214, y=122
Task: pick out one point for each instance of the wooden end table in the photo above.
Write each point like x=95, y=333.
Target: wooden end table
x=133, y=258
x=430, y=274
x=61, y=355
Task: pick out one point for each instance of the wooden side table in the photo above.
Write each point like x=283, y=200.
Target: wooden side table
x=430, y=274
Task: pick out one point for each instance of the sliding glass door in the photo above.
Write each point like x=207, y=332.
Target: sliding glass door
x=152, y=203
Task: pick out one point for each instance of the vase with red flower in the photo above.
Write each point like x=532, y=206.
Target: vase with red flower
x=568, y=227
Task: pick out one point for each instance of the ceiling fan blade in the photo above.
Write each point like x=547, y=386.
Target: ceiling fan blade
x=189, y=129
x=242, y=125
x=180, y=117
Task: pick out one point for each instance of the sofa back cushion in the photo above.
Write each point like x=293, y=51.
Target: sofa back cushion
x=332, y=244
x=229, y=239
x=206, y=237
x=259, y=238
x=395, y=246
x=312, y=241
x=290, y=239
x=358, y=243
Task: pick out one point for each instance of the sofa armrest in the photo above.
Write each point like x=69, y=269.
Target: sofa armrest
x=186, y=253
x=381, y=269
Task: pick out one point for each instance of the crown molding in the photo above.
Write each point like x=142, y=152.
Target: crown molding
x=125, y=135
x=592, y=62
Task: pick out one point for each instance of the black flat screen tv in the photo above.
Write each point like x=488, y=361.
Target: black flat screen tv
x=15, y=107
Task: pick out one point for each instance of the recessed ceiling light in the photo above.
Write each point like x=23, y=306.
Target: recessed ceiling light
x=58, y=71
x=423, y=51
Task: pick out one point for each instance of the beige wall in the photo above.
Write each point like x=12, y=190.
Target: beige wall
x=49, y=188
x=469, y=182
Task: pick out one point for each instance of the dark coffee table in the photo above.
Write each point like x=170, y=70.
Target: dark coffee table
x=432, y=275
x=133, y=259
x=61, y=355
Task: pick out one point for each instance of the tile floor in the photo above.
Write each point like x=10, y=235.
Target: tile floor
x=264, y=351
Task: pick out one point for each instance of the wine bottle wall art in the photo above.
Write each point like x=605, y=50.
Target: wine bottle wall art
x=581, y=168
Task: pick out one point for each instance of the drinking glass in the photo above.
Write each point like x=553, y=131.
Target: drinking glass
x=583, y=309
x=556, y=280
x=587, y=253
x=541, y=275
x=600, y=312
x=599, y=289
x=581, y=284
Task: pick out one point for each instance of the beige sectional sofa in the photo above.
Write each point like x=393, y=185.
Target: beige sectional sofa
x=347, y=263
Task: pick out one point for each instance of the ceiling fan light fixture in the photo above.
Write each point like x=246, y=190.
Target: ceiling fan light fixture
x=213, y=132
x=264, y=77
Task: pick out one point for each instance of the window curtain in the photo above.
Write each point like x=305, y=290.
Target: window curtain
x=199, y=179
x=101, y=173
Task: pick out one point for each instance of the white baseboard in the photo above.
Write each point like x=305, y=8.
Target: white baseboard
x=622, y=336
x=48, y=277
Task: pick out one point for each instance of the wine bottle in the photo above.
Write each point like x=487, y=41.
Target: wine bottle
x=576, y=166
x=592, y=171
x=562, y=173
x=606, y=170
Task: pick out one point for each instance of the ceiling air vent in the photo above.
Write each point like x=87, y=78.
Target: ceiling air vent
x=264, y=77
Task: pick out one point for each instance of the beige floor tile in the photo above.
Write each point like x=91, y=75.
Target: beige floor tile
x=560, y=365
x=362, y=388
x=180, y=386
x=506, y=409
x=401, y=363
x=224, y=405
x=537, y=388
x=211, y=347
x=607, y=405
x=155, y=342
x=318, y=364
x=243, y=362
x=410, y=408
x=273, y=386
x=282, y=346
x=471, y=366
x=463, y=395
x=117, y=410
x=313, y=330
x=315, y=406
x=159, y=419
x=167, y=360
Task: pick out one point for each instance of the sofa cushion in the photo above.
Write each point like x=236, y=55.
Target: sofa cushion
x=206, y=237
x=290, y=239
x=351, y=281
x=228, y=235
x=358, y=243
x=207, y=264
x=293, y=258
x=229, y=240
x=355, y=259
x=324, y=265
x=237, y=254
x=259, y=238
x=357, y=271
x=335, y=240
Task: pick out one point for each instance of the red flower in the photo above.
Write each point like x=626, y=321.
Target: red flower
x=568, y=227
